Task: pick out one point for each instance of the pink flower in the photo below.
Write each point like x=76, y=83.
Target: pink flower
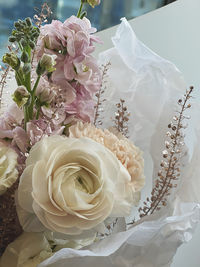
x=77, y=24
x=35, y=133
x=83, y=106
x=52, y=38
x=76, y=69
x=20, y=138
x=12, y=117
x=45, y=94
x=39, y=128
x=86, y=72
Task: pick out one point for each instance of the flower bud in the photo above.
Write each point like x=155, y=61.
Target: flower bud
x=16, y=24
x=24, y=57
x=27, y=68
x=28, y=21
x=45, y=96
x=93, y=3
x=12, y=60
x=23, y=23
x=46, y=63
x=84, y=14
x=12, y=39
x=23, y=43
x=35, y=34
x=20, y=96
x=31, y=44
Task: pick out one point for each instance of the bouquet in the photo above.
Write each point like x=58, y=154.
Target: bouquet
x=71, y=173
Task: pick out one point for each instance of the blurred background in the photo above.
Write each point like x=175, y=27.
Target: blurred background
x=107, y=14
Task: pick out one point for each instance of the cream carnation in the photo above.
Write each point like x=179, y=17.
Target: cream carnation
x=8, y=172
x=129, y=155
x=73, y=185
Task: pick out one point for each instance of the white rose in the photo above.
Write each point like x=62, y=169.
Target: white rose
x=28, y=250
x=73, y=185
x=43, y=255
x=8, y=172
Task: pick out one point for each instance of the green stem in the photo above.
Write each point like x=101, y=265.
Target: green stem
x=28, y=76
x=26, y=116
x=36, y=85
x=28, y=81
x=20, y=80
x=33, y=98
x=38, y=113
x=80, y=10
x=20, y=46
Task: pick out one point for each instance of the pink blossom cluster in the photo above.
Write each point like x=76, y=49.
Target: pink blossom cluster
x=68, y=95
x=77, y=74
x=12, y=130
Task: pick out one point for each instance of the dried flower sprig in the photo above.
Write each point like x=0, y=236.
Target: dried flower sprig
x=98, y=107
x=170, y=165
x=122, y=118
x=3, y=80
x=5, y=71
x=42, y=14
x=41, y=17
x=109, y=230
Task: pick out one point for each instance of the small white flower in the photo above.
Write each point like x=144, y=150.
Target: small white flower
x=8, y=171
x=28, y=250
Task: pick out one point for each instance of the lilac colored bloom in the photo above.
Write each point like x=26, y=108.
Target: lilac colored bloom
x=38, y=128
x=20, y=138
x=45, y=94
x=77, y=74
x=85, y=72
x=52, y=37
x=5, y=132
x=14, y=114
x=11, y=118
x=35, y=133
x=83, y=106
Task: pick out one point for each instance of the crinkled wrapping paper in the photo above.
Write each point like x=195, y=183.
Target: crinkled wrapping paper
x=151, y=87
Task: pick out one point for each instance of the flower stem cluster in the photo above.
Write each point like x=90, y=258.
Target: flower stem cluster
x=26, y=35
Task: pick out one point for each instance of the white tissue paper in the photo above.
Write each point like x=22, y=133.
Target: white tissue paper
x=151, y=87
